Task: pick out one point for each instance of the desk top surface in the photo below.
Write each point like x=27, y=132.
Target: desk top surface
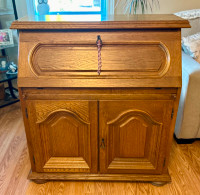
x=140, y=21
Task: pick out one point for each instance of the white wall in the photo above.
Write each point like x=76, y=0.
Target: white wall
x=166, y=6
x=172, y=6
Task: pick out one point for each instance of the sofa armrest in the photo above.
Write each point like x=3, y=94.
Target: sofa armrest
x=188, y=117
x=189, y=64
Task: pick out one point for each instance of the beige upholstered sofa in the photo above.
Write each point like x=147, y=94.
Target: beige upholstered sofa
x=188, y=117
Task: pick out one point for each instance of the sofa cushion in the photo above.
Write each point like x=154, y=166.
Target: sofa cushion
x=189, y=14
x=191, y=46
x=194, y=18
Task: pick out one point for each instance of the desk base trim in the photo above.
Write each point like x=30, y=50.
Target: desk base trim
x=165, y=178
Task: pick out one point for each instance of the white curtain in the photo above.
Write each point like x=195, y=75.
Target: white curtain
x=111, y=7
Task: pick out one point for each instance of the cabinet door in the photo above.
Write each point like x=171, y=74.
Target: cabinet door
x=64, y=135
x=133, y=135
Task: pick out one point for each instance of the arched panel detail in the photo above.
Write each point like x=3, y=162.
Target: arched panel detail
x=125, y=116
x=61, y=112
x=65, y=134
x=133, y=135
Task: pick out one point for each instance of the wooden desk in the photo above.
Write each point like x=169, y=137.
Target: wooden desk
x=100, y=98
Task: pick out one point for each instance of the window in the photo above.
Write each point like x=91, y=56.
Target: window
x=74, y=7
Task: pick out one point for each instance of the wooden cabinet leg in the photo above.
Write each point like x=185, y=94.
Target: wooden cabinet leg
x=39, y=181
x=159, y=183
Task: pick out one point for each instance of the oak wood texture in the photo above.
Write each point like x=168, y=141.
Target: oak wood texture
x=114, y=126
x=99, y=93
x=99, y=177
x=63, y=135
x=147, y=116
x=127, y=57
x=107, y=22
x=134, y=133
x=80, y=59
x=184, y=167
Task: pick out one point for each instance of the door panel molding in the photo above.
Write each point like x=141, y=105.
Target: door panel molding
x=127, y=135
x=133, y=132
x=63, y=139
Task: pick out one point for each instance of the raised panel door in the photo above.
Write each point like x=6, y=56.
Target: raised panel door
x=132, y=58
x=133, y=135
x=64, y=134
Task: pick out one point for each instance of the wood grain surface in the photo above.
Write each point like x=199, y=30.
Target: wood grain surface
x=77, y=125
x=108, y=22
x=63, y=135
x=118, y=59
x=70, y=59
x=53, y=125
x=184, y=168
x=147, y=121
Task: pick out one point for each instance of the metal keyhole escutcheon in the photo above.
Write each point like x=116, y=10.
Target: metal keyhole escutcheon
x=102, y=143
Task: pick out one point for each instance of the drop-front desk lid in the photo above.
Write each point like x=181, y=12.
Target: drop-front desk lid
x=134, y=51
x=100, y=22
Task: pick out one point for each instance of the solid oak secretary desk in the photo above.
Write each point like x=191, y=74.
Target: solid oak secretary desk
x=100, y=98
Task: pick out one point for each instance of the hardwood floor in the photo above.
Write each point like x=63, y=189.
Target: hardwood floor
x=184, y=168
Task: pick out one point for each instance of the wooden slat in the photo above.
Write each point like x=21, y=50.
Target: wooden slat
x=91, y=83
x=115, y=22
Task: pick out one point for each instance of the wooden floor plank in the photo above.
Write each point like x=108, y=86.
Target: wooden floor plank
x=184, y=174
x=19, y=180
x=184, y=168
x=8, y=130
x=13, y=149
